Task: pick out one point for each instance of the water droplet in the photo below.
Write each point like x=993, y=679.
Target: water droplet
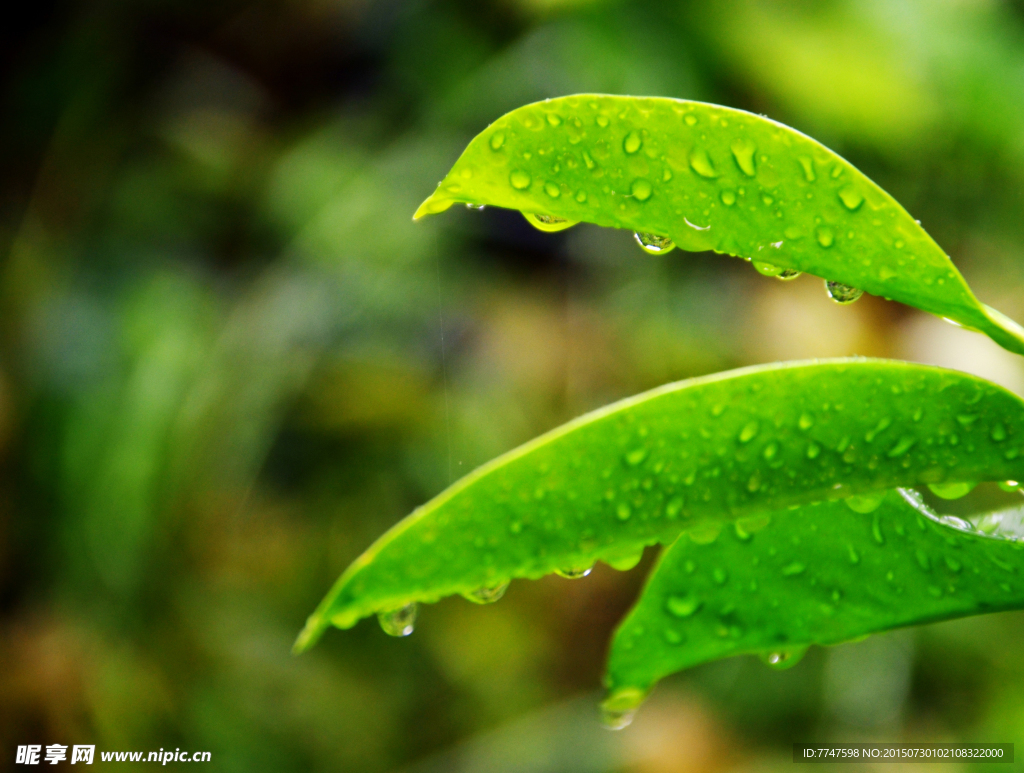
x=622, y=512
x=548, y=223
x=922, y=560
x=488, y=594
x=497, y=140
x=951, y=490
x=619, y=708
x=876, y=530
x=953, y=564
x=654, y=244
x=788, y=274
x=574, y=573
x=519, y=179
x=588, y=160
x=749, y=432
x=398, y=622
x=903, y=445
x=554, y=119
x=602, y=121
x=666, y=175
x=825, y=236
x=998, y=432
x=682, y=606
x=701, y=164
x=793, y=569
x=783, y=659
x=852, y=554
x=632, y=142
x=552, y=190
x=813, y=449
x=625, y=561
x=690, y=119
x=865, y=503
x=728, y=197
x=1009, y=485
x=807, y=163
x=851, y=197
x=743, y=151
x=841, y=293
x=766, y=269
x=806, y=421
x=641, y=189
x=636, y=456
x=581, y=196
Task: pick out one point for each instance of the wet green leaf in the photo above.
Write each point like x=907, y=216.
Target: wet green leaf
x=687, y=456
x=713, y=178
x=820, y=574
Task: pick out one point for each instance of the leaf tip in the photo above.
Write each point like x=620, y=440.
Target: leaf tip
x=434, y=204
x=310, y=634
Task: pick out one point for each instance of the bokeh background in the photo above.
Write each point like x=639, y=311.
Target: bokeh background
x=229, y=360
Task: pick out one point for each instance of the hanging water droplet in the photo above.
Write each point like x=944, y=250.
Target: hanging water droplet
x=788, y=274
x=497, y=140
x=398, y=622
x=477, y=207
x=766, y=269
x=1009, y=485
x=519, y=179
x=743, y=151
x=682, y=606
x=865, y=503
x=488, y=594
x=548, y=223
x=641, y=189
x=701, y=164
x=841, y=293
x=783, y=659
x=619, y=708
x=631, y=144
x=574, y=573
x=951, y=490
x=825, y=236
x=625, y=561
x=654, y=244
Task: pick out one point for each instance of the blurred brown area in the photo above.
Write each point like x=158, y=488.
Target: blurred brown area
x=229, y=360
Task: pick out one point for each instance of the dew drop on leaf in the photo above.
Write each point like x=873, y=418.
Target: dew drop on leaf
x=497, y=140
x=654, y=244
x=626, y=561
x=825, y=236
x=631, y=144
x=749, y=432
x=851, y=197
x=865, y=503
x=793, y=569
x=743, y=151
x=548, y=223
x=767, y=269
x=951, y=490
x=554, y=119
x=641, y=189
x=574, y=573
x=998, y=433
x=841, y=293
x=783, y=659
x=619, y=708
x=682, y=606
x=519, y=179
x=552, y=190
x=488, y=594
x=398, y=622
x=728, y=197
x=807, y=164
x=701, y=164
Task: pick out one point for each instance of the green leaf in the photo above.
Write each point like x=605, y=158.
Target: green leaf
x=820, y=574
x=687, y=456
x=713, y=178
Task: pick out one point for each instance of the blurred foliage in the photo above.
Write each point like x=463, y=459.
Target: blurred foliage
x=229, y=360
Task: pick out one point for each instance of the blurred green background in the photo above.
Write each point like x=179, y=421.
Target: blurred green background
x=229, y=360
